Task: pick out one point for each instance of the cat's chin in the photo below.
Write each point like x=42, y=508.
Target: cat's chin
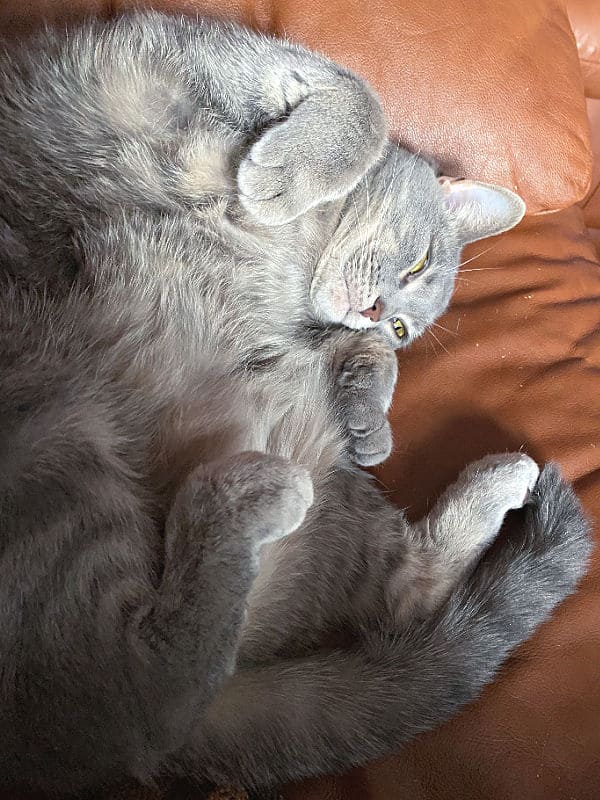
x=331, y=302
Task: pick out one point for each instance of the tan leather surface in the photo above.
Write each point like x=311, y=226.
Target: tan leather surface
x=492, y=90
x=585, y=21
x=591, y=205
x=518, y=366
x=20, y=16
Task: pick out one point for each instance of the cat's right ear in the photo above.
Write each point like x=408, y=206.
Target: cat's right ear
x=480, y=209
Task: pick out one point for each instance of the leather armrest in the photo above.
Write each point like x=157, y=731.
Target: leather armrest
x=585, y=20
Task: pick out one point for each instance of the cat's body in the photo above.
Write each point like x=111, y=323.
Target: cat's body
x=174, y=387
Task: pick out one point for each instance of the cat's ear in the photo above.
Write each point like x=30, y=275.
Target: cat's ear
x=480, y=209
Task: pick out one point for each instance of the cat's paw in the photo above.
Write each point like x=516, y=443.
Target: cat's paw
x=470, y=513
x=506, y=480
x=540, y=565
x=281, y=177
x=365, y=385
x=369, y=432
x=333, y=132
x=268, y=495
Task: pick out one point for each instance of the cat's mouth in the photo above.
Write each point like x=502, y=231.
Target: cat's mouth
x=335, y=304
x=357, y=321
x=337, y=301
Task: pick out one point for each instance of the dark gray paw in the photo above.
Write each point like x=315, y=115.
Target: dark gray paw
x=366, y=382
x=370, y=434
x=268, y=495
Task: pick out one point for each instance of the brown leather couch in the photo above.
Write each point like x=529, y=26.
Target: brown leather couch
x=495, y=90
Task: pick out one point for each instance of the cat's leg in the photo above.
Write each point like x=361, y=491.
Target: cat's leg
x=320, y=126
x=359, y=560
x=365, y=370
x=121, y=652
x=336, y=709
x=186, y=638
x=151, y=110
x=462, y=524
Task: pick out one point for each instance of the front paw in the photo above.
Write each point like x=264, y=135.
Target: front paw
x=287, y=172
x=281, y=177
x=370, y=434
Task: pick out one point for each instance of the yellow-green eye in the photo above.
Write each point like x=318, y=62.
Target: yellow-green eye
x=399, y=328
x=420, y=265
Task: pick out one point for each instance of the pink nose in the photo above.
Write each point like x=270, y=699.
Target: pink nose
x=374, y=313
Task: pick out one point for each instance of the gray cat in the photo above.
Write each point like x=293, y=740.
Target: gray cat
x=209, y=253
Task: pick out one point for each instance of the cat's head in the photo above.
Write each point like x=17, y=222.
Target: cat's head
x=392, y=261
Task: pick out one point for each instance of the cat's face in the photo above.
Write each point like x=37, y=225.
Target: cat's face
x=393, y=258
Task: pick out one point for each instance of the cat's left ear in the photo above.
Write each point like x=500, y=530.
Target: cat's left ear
x=480, y=209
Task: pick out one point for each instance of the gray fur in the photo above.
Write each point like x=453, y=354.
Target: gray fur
x=194, y=216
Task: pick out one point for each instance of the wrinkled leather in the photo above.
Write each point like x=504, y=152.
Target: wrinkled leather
x=591, y=205
x=517, y=367
x=585, y=21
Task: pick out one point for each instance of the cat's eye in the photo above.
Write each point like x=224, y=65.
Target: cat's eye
x=420, y=265
x=399, y=328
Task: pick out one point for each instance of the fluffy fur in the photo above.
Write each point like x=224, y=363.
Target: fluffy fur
x=196, y=576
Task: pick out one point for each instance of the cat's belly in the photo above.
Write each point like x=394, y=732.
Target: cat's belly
x=286, y=412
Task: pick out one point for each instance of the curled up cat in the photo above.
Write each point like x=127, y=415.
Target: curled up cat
x=209, y=252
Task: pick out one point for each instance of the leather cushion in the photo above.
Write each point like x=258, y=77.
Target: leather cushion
x=585, y=20
x=591, y=204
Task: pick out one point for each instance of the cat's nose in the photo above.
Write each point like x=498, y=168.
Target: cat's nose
x=374, y=312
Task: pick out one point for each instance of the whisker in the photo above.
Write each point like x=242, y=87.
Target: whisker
x=427, y=331
x=455, y=276
x=426, y=340
x=481, y=269
x=447, y=330
x=438, y=341
x=476, y=256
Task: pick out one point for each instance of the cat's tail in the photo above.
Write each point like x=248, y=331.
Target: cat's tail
x=333, y=710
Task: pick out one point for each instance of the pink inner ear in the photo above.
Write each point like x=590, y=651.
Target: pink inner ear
x=456, y=191
x=444, y=179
